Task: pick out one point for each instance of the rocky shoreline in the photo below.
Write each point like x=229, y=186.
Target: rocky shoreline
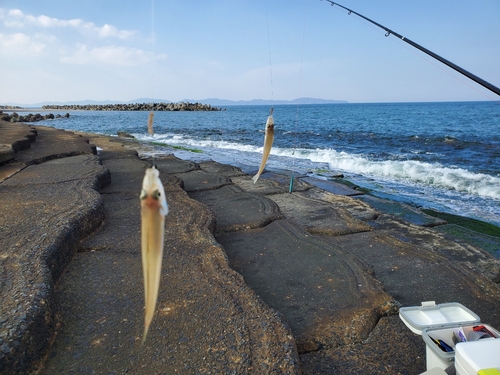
x=15, y=117
x=182, y=106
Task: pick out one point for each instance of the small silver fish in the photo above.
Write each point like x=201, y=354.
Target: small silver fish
x=268, y=143
x=150, y=122
x=153, y=210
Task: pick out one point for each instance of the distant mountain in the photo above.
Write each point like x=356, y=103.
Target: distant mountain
x=212, y=101
x=226, y=102
x=316, y=101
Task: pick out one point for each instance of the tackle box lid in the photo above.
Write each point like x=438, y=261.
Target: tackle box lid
x=478, y=357
x=430, y=315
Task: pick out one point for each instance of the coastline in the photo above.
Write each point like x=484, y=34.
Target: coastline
x=476, y=232
x=416, y=173
x=380, y=248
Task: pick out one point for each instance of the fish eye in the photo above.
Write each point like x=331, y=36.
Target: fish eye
x=156, y=194
x=143, y=194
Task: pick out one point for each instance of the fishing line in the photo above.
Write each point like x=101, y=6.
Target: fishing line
x=292, y=175
x=270, y=61
x=270, y=71
x=152, y=113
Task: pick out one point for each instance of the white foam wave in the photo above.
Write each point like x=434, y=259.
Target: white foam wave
x=405, y=171
x=183, y=140
x=409, y=171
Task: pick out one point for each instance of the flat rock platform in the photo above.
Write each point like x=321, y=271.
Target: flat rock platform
x=255, y=280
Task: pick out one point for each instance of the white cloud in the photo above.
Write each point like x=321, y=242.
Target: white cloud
x=50, y=35
x=20, y=44
x=110, y=55
x=112, y=31
x=15, y=13
x=15, y=18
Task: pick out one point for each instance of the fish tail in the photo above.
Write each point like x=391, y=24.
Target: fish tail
x=145, y=334
x=255, y=178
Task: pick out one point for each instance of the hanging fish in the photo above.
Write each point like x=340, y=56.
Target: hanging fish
x=268, y=143
x=150, y=122
x=153, y=211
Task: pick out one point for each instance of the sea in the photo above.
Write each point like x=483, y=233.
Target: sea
x=443, y=156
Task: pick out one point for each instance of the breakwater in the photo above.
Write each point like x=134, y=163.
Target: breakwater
x=182, y=106
x=15, y=117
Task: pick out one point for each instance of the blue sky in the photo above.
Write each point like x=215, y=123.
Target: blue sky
x=55, y=50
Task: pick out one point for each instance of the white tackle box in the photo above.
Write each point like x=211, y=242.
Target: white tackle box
x=439, y=322
x=478, y=357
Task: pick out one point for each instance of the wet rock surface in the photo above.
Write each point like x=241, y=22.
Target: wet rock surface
x=255, y=280
x=46, y=210
x=328, y=297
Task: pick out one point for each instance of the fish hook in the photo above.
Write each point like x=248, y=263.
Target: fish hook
x=387, y=33
x=349, y=13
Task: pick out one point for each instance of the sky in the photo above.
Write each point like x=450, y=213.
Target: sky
x=121, y=50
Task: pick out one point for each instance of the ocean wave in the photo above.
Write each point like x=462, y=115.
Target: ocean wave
x=185, y=140
x=405, y=171
x=409, y=171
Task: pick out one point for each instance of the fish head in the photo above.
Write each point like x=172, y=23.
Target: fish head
x=153, y=193
x=270, y=123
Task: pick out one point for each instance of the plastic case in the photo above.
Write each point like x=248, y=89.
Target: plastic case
x=478, y=357
x=438, y=322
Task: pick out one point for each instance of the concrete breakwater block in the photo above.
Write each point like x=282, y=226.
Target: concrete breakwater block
x=402, y=210
x=40, y=230
x=356, y=207
x=171, y=164
x=320, y=291
x=63, y=170
x=17, y=136
x=318, y=217
x=491, y=244
x=271, y=183
x=200, y=180
x=6, y=153
x=235, y=209
x=413, y=273
x=54, y=143
x=223, y=169
x=333, y=187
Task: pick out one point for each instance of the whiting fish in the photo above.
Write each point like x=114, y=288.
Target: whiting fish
x=150, y=122
x=153, y=210
x=268, y=143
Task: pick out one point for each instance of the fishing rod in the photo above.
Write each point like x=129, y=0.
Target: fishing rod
x=388, y=32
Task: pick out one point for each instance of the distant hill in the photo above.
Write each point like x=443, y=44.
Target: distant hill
x=225, y=102
x=212, y=101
